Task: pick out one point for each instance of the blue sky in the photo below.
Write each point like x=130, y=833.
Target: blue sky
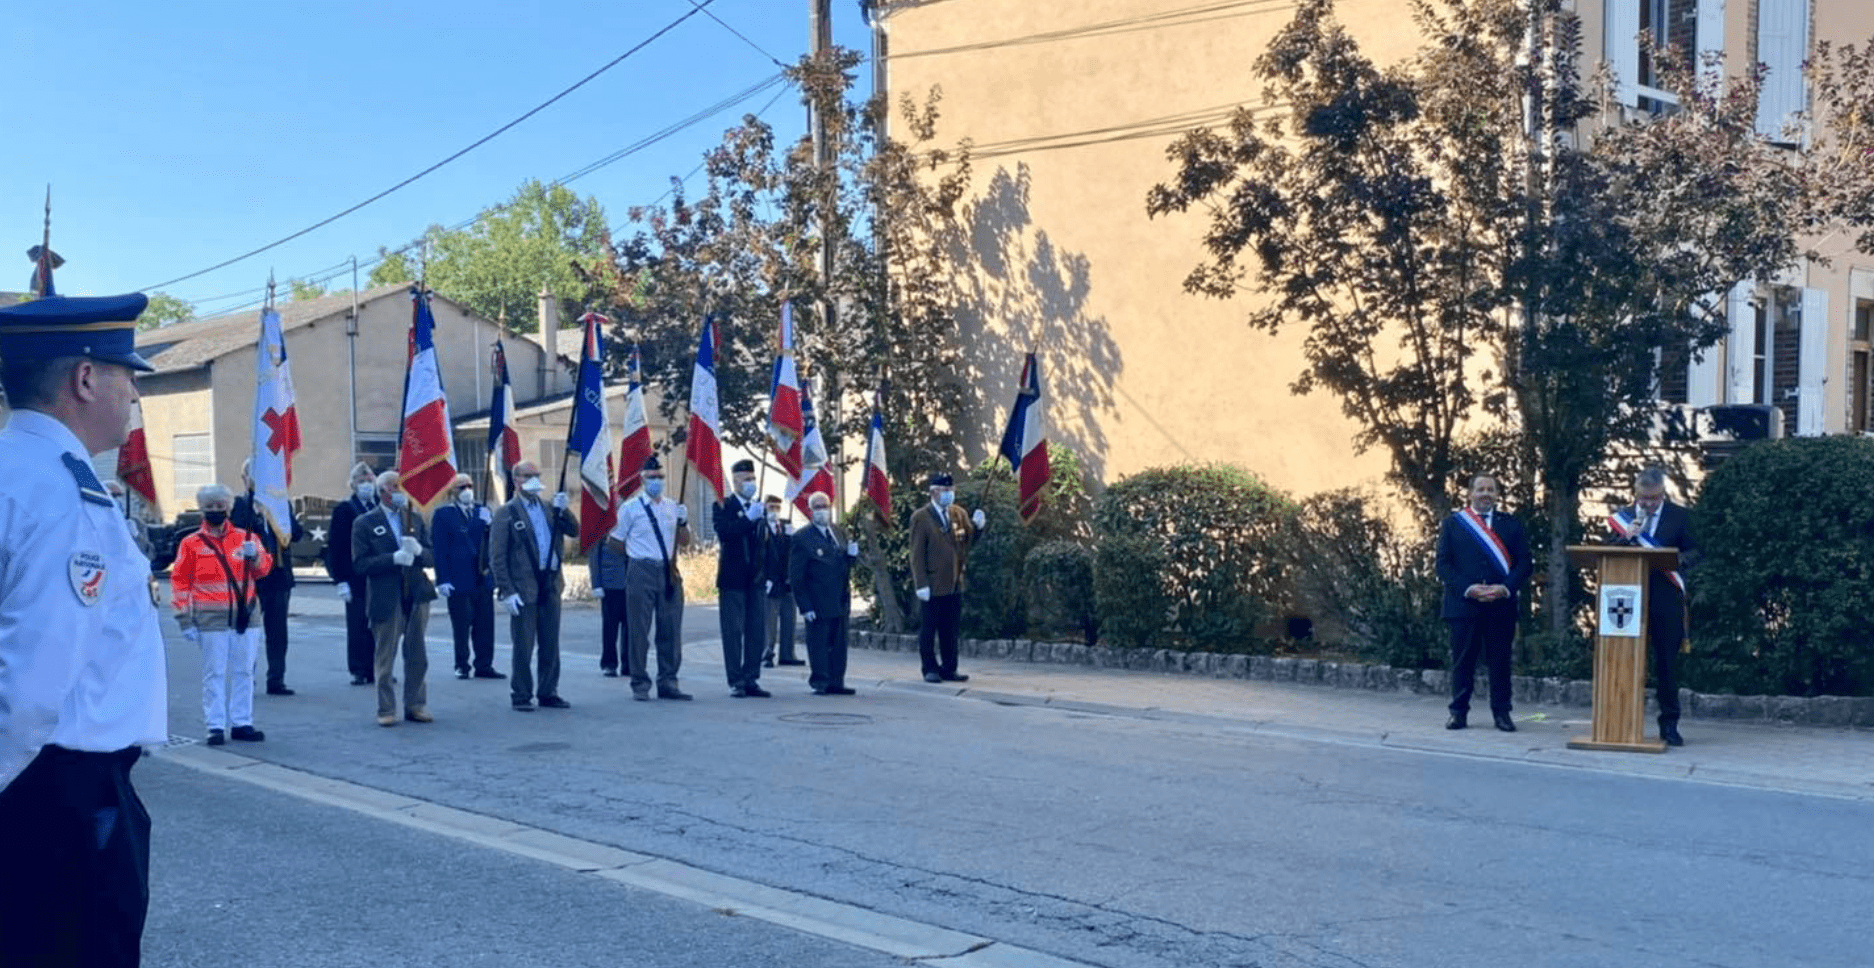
x=179, y=134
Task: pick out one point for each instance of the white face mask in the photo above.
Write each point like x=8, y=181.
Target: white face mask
x=822, y=516
x=399, y=499
x=746, y=489
x=465, y=496
x=533, y=486
x=367, y=492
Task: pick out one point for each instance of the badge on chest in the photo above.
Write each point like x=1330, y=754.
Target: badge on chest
x=86, y=570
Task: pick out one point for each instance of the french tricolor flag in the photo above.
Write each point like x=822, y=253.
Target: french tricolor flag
x=814, y=477
x=704, y=448
x=504, y=442
x=786, y=424
x=877, y=479
x=635, y=448
x=1025, y=442
x=425, y=443
x=590, y=436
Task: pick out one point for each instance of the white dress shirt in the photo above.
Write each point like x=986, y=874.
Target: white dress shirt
x=634, y=528
x=81, y=656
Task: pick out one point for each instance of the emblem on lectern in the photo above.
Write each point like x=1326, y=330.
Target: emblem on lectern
x=1620, y=611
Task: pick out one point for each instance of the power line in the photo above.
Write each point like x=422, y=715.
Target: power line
x=744, y=37
x=478, y=143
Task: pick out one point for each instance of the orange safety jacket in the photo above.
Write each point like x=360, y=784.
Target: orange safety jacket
x=203, y=597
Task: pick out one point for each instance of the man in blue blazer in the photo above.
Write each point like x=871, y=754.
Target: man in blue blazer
x=460, y=530
x=1483, y=561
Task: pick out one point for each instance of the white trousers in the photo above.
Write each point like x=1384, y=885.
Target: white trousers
x=228, y=678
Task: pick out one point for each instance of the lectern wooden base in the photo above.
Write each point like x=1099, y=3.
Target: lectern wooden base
x=1643, y=746
x=1619, y=723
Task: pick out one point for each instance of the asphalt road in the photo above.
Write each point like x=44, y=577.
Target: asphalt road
x=1107, y=839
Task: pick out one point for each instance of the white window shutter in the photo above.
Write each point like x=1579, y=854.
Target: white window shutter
x=1620, y=45
x=1812, y=363
x=1704, y=384
x=1741, y=347
x=1782, y=46
x=1710, y=36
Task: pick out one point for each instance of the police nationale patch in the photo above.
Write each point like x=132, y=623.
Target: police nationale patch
x=86, y=570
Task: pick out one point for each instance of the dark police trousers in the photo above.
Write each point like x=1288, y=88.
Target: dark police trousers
x=743, y=613
x=614, y=632
x=360, y=645
x=273, y=609
x=1665, y=630
x=75, y=848
x=938, y=622
x=826, y=652
x=1488, y=632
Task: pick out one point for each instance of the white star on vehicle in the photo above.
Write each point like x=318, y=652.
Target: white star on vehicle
x=318, y=534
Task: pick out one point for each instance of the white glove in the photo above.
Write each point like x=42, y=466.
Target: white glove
x=755, y=512
x=559, y=501
x=136, y=530
x=852, y=549
x=402, y=559
x=192, y=633
x=250, y=549
x=923, y=594
x=768, y=586
x=683, y=514
x=512, y=603
x=598, y=593
x=344, y=593
x=809, y=616
x=445, y=589
x=482, y=512
x=979, y=519
x=411, y=546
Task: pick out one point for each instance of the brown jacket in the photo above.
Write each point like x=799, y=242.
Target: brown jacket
x=938, y=552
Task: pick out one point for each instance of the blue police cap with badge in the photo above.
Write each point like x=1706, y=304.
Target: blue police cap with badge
x=103, y=328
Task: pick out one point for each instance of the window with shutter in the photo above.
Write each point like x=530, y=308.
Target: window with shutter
x=1782, y=46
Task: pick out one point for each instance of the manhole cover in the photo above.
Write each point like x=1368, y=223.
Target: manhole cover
x=540, y=747
x=826, y=719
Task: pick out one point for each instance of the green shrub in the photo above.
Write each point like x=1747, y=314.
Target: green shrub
x=1058, y=576
x=1783, y=599
x=1132, y=597
x=1370, y=578
x=1210, y=536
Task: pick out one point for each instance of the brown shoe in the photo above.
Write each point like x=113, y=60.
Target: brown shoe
x=418, y=715
x=387, y=720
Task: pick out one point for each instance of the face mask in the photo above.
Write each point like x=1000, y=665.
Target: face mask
x=746, y=489
x=399, y=499
x=773, y=519
x=367, y=492
x=532, y=485
x=654, y=486
x=465, y=496
x=822, y=516
x=944, y=498
x=215, y=519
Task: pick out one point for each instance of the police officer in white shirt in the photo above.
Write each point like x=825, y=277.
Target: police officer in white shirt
x=82, y=672
x=651, y=530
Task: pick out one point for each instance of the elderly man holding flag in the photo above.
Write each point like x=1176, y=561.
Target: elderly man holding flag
x=1483, y=560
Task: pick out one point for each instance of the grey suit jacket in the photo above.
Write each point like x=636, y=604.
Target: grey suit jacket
x=388, y=585
x=514, y=549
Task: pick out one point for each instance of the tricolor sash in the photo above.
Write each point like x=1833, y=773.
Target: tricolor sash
x=1493, y=545
x=1622, y=520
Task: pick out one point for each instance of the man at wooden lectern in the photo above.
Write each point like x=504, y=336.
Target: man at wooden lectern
x=1483, y=559
x=1655, y=522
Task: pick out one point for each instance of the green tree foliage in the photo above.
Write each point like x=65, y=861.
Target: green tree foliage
x=165, y=310
x=1368, y=577
x=1783, y=598
x=300, y=290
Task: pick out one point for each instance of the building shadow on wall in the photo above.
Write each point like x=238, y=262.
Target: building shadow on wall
x=1018, y=292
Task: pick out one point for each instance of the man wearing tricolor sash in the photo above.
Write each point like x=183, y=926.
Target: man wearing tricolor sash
x=1655, y=522
x=1483, y=560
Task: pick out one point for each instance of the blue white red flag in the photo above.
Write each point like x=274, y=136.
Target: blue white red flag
x=504, y=441
x=1025, y=442
x=425, y=442
x=590, y=436
x=786, y=424
x=877, y=479
x=703, y=449
x=635, y=448
x=815, y=477
x=276, y=429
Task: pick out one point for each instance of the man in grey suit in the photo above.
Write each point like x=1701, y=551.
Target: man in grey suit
x=524, y=558
x=389, y=550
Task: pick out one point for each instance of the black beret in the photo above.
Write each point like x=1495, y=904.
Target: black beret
x=941, y=480
x=743, y=467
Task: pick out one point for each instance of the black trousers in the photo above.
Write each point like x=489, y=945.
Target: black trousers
x=472, y=619
x=76, y=843
x=273, y=608
x=360, y=647
x=938, y=622
x=826, y=653
x=1665, y=630
x=743, y=613
x=614, y=640
x=1488, y=632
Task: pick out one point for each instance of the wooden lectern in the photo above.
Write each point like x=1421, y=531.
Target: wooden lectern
x=1620, y=647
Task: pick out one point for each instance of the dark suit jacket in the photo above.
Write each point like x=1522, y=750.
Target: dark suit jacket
x=514, y=549
x=939, y=549
x=776, y=550
x=741, y=555
x=245, y=517
x=1463, y=562
x=1674, y=530
x=388, y=585
x=821, y=573
x=338, y=562
x=461, y=548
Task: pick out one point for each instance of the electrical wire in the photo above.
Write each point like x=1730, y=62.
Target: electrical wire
x=478, y=143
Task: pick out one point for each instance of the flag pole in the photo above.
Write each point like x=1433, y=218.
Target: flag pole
x=45, y=252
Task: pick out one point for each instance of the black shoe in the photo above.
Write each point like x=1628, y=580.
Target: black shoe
x=953, y=677
x=489, y=674
x=739, y=692
x=554, y=702
x=1504, y=722
x=793, y=662
x=839, y=691
x=1457, y=721
x=1670, y=733
x=463, y=673
x=609, y=673
x=216, y=737
x=673, y=694
x=524, y=706
x=756, y=692
x=280, y=691
x=933, y=677
x=360, y=680
x=819, y=692
x=767, y=663
x=247, y=734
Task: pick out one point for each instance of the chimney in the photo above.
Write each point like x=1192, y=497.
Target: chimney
x=549, y=335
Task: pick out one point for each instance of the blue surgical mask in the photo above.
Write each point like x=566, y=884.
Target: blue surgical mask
x=367, y=492
x=945, y=498
x=746, y=489
x=654, y=486
x=399, y=499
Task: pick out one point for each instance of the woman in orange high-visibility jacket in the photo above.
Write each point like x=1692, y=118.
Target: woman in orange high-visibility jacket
x=213, y=581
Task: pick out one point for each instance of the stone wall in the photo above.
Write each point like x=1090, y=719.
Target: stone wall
x=1817, y=711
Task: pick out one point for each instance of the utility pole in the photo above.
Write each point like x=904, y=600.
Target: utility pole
x=820, y=40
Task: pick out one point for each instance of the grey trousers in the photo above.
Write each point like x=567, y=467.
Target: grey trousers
x=743, y=613
x=647, y=607
x=409, y=627
x=536, y=631
x=781, y=626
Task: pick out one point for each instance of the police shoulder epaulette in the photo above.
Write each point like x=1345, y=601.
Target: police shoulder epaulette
x=89, y=487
